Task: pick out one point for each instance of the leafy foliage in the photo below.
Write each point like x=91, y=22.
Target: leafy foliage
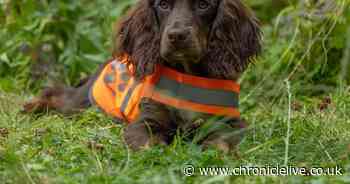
x=56, y=40
x=307, y=45
x=50, y=41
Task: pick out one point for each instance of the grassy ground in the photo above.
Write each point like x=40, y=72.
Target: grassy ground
x=88, y=148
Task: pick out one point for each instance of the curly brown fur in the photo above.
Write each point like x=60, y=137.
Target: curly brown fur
x=137, y=37
x=235, y=39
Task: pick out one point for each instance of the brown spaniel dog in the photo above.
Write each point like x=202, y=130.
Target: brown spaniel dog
x=207, y=38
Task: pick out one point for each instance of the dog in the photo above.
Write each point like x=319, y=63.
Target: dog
x=208, y=41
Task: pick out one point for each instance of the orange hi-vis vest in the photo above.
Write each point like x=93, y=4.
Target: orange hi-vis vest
x=118, y=93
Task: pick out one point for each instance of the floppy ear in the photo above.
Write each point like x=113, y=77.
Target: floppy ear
x=234, y=40
x=138, y=37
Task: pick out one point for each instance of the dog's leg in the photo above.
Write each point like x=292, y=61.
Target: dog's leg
x=142, y=135
x=153, y=127
x=225, y=136
x=64, y=99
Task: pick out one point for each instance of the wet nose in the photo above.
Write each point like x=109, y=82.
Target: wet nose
x=178, y=35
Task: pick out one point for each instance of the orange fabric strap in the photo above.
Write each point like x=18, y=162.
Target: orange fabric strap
x=183, y=91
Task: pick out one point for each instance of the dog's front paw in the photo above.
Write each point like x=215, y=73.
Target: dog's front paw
x=219, y=144
x=225, y=137
x=138, y=136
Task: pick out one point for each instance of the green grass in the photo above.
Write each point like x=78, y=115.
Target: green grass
x=88, y=148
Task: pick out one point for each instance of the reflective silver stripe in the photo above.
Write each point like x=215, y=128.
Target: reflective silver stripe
x=128, y=96
x=198, y=95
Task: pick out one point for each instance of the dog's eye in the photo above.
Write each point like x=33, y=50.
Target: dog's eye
x=164, y=5
x=202, y=4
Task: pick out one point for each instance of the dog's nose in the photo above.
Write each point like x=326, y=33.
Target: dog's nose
x=178, y=35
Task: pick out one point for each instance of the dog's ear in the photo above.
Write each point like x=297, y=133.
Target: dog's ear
x=234, y=39
x=138, y=36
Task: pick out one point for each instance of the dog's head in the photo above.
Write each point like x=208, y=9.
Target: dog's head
x=184, y=27
x=219, y=35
